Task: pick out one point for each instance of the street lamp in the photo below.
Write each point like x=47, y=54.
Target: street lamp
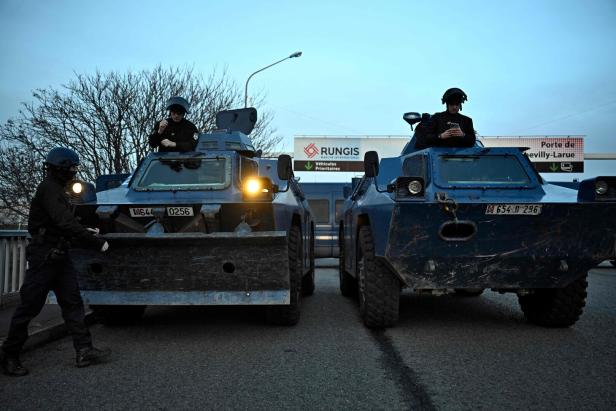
x=296, y=54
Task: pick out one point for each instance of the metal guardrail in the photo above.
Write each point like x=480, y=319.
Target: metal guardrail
x=12, y=261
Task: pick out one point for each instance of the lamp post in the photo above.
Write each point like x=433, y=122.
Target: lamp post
x=296, y=54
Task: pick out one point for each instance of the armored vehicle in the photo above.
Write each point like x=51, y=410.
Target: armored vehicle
x=215, y=226
x=461, y=220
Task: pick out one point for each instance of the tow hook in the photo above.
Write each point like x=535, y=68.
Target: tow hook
x=455, y=230
x=449, y=204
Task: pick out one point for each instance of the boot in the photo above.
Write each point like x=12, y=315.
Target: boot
x=91, y=355
x=11, y=365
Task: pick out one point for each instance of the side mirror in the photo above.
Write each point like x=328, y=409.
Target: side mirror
x=285, y=170
x=371, y=164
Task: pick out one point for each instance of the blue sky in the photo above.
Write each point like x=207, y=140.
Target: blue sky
x=528, y=67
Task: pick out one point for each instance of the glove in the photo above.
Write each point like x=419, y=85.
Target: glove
x=105, y=247
x=94, y=231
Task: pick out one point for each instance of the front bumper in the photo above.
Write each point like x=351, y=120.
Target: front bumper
x=187, y=269
x=549, y=250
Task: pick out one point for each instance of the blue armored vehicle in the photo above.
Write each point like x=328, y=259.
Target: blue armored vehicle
x=215, y=226
x=460, y=220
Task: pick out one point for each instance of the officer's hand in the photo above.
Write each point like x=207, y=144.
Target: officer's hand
x=446, y=134
x=94, y=231
x=456, y=132
x=452, y=132
x=162, y=126
x=167, y=143
x=105, y=247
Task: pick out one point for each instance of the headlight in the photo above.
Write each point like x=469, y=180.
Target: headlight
x=601, y=187
x=408, y=188
x=257, y=187
x=80, y=191
x=76, y=188
x=252, y=186
x=415, y=187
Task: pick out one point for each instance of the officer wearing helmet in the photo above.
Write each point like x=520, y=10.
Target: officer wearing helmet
x=53, y=228
x=174, y=133
x=449, y=128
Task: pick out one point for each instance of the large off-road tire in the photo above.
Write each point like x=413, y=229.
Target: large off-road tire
x=118, y=314
x=308, y=279
x=555, y=307
x=469, y=292
x=348, y=284
x=379, y=288
x=289, y=314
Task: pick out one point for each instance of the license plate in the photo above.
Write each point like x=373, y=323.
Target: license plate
x=514, y=209
x=141, y=212
x=171, y=212
x=180, y=212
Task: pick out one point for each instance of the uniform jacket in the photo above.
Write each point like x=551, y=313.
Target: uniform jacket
x=182, y=133
x=51, y=211
x=439, y=122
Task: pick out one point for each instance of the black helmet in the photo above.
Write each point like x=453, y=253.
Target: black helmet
x=61, y=157
x=179, y=101
x=454, y=93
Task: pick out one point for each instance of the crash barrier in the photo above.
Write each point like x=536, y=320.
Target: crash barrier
x=12, y=261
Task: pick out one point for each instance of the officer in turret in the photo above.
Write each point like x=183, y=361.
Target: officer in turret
x=175, y=133
x=449, y=128
x=53, y=228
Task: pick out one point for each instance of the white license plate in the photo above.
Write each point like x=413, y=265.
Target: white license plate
x=180, y=212
x=513, y=209
x=141, y=212
x=171, y=212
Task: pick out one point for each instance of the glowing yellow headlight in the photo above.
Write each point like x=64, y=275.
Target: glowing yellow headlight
x=252, y=186
x=77, y=188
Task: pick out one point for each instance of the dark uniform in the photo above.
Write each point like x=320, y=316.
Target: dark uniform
x=439, y=122
x=181, y=133
x=53, y=228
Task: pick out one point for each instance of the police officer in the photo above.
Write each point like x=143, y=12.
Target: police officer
x=53, y=228
x=449, y=128
x=175, y=133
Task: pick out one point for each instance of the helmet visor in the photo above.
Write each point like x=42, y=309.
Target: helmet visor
x=177, y=109
x=455, y=99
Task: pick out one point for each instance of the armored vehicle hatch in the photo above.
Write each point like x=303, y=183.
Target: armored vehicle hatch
x=233, y=128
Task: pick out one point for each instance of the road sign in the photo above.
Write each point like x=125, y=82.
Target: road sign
x=549, y=154
x=334, y=153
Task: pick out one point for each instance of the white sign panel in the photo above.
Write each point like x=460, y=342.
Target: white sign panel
x=325, y=153
x=549, y=154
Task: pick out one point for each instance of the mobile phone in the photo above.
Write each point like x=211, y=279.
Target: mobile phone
x=454, y=125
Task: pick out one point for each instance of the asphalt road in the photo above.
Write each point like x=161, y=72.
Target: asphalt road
x=447, y=353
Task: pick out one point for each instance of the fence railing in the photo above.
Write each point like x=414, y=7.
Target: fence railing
x=12, y=261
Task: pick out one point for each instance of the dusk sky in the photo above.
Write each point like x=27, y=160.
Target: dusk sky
x=528, y=67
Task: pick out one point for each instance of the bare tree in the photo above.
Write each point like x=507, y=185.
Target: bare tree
x=21, y=171
x=106, y=118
